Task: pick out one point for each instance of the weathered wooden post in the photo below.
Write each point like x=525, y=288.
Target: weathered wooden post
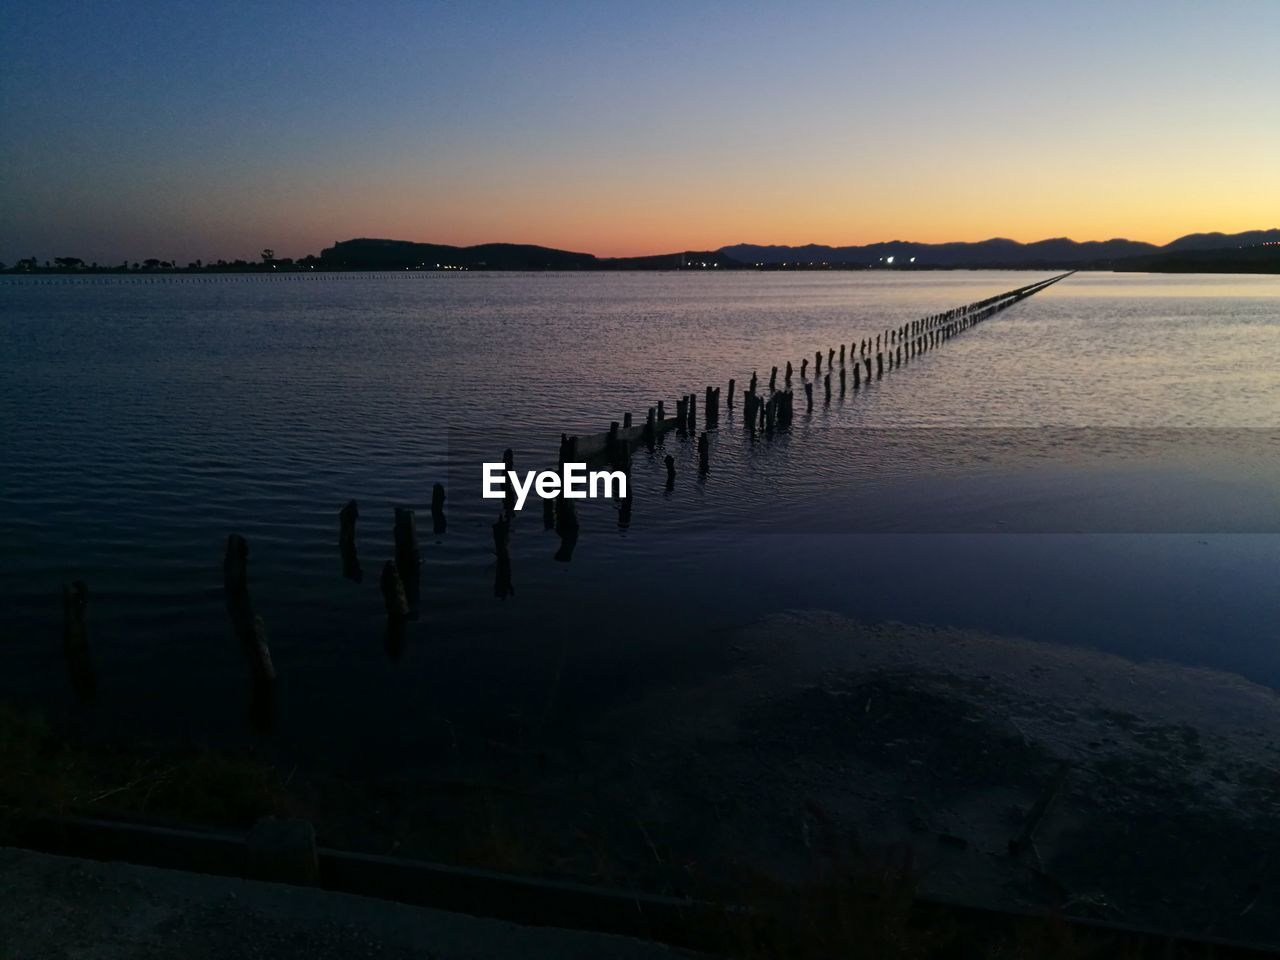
x=439, y=522
x=235, y=566
x=842, y=354
x=804, y=367
x=827, y=385
x=704, y=453
x=408, y=558
x=842, y=380
x=711, y=407
x=626, y=421
x=808, y=396
x=753, y=381
x=817, y=364
x=682, y=415
x=732, y=384
x=857, y=375
x=509, y=464
x=787, y=380
x=566, y=529
x=831, y=356
x=502, y=586
x=773, y=379
x=693, y=412
x=347, y=517
x=662, y=411
x=879, y=365
x=650, y=428
x=393, y=596
x=260, y=664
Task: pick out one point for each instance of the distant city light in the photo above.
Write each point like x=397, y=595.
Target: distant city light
x=889, y=260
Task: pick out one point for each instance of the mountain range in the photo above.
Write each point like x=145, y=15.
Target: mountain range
x=997, y=252
x=1252, y=252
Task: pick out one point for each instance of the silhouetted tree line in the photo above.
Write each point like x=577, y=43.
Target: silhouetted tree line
x=267, y=262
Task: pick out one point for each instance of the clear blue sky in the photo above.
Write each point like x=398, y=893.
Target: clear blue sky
x=181, y=130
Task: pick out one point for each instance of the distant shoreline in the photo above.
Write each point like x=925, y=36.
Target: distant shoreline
x=1265, y=268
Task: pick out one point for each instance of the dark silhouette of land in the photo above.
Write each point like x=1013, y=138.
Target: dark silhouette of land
x=1118, y=254
x=1254, y=251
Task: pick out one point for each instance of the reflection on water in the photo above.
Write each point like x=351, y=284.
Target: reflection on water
x=144, y=424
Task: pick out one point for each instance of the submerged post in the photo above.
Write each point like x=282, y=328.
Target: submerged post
x=393, y=597
x=347, y=517
x=408, y=558
x=438, y=521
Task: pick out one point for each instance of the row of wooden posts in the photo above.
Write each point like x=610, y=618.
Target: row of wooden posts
x=766, y=411
x=399, y=582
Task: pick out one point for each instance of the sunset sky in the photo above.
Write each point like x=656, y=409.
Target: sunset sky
x=184, y=130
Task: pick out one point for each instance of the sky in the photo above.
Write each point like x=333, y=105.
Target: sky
x=212, y=130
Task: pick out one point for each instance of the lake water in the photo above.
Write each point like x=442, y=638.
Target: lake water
x=1098, y=465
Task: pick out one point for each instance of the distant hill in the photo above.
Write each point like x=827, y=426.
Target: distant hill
x=1059, y=252
x=997, y=252
x=371, y=254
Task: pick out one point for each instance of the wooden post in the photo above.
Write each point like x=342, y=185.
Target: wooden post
x=693, y=412
x=732, y=384
x=671, y=471
x=438, y=519
x=235, y=565
x=347, y=517
x=827, y=385
x=682, y=414
x=842, y=354
x=808, y=396
x=753, y=381
x=711, y=408
x=393, y=597
x=626, y=421
x=502, y=586
x=842, y=380
x=773, y=379
x=408, y=558
x=804, y=367
x=662, y=411
x=704, y=453
x=831, y=355
x=817, y=364
x=879, y=365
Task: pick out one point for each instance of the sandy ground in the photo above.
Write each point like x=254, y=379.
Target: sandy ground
x=829, y=747
x=57, y=907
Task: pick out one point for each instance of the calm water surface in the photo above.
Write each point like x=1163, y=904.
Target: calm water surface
x=1096, y=466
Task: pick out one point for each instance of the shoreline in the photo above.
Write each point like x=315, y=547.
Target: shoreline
x=828, y=743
